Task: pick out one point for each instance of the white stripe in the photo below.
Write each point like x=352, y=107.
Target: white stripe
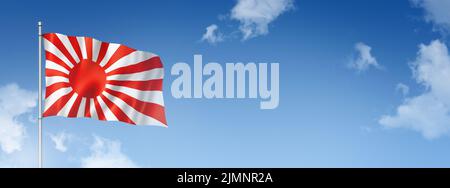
x=152, y=74
x=112, y=48
x=95, y=49
x=68, y=106
x=55, y=79
x=82, y=45
x=55, y=96
x=92, y=109
x=106, y=111
x=80, y=112
x=130, y=59
x=50, y=47
x=52, y=65
x=136, y=116
x=65, y=40
x=146, y=96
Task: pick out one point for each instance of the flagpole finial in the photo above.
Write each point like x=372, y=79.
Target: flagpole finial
x=39, y=23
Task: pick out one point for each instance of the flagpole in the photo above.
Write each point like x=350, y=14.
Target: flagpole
x=40, y=97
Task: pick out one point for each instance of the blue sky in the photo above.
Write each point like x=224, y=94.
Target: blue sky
x=329, y=113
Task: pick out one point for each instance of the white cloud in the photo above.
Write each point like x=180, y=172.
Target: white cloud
x=212, y=34
x=106, y=153
x=364, y=59
x=404, y=89
x=14, y=102
x=428, y=113
x=60, y=140
x=256, y=15
x=436, y=12
x=25, y=158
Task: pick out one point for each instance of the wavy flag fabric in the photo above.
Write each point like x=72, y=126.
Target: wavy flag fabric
x=89, y=78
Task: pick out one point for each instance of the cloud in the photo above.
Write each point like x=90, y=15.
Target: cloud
x=60, y=140
x=256, y=15
x=14, y=102
x=212, y=34
x=428, y=113
x=106, y=153
x=436, y=12
x=364, y=59
x=404, y=89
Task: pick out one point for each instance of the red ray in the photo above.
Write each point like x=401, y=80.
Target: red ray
x=76, y=105
x=52, y=72
x=102, y=51
x=88, y=42
x=52, y=57
x=150, y=109
x=58, y=105
x=121, y=116
x=120, y=52
x=54, y=87
x=148, y=85
x=53, y=38
x=99, y=110
x=152, y=63
x=73, y=40
x=87, y=108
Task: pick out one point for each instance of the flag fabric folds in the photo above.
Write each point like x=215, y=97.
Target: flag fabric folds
x=89, y=78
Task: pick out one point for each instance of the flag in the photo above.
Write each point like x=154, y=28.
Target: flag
x=89, y=78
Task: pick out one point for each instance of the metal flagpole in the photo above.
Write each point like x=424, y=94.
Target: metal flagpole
x=40, y=97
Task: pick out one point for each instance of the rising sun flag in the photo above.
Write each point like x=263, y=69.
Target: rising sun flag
x=89, y=78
